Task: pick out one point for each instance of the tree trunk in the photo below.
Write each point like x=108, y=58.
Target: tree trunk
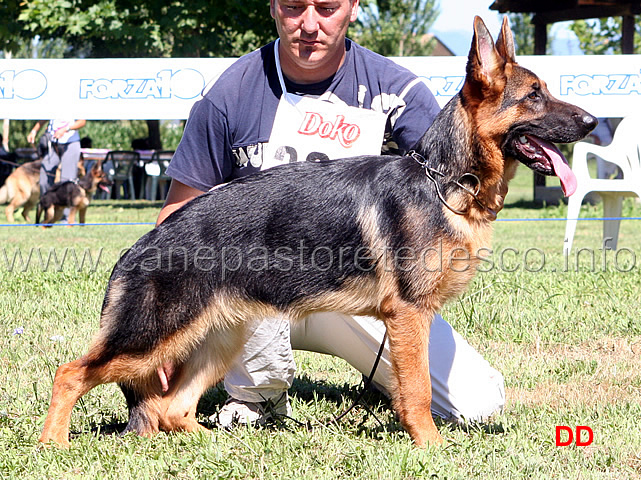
x=5, y=134
x=5, y=123
x=153, y=127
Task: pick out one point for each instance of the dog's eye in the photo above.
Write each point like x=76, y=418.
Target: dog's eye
x=533, y=95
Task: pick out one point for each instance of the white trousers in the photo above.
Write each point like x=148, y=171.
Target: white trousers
x=464, y=385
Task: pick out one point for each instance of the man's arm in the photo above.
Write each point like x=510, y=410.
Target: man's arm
x=178, y=195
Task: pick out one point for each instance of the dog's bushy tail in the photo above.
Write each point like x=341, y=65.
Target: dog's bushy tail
x=5, y=194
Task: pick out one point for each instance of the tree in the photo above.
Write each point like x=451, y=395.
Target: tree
x=396, y=27
x=141, y=28
x=151, y=28
x=523, y=32
x=603, y=35
x=10, y=30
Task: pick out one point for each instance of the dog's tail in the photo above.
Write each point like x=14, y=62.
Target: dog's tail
x=6, y=195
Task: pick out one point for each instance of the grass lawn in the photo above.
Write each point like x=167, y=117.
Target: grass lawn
x=566, y=336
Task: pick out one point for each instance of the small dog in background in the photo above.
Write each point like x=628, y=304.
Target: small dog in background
x=74, y=195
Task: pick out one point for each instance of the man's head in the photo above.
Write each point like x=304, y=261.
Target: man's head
x=312, y=36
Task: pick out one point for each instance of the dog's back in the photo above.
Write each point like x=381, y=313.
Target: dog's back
x=261, y=249
x=60, y=194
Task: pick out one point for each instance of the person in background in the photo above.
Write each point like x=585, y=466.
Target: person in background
x=61, y=147
x=7, y=161
x=138, y=171
x=86, y=142
x=252, y=119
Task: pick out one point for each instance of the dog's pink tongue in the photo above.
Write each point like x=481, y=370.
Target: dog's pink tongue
x=560, y=165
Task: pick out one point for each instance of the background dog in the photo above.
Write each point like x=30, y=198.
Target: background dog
x=74, y=195
x=392, y=237
x=21, y=189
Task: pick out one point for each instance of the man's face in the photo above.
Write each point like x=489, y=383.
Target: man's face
x=312, y=34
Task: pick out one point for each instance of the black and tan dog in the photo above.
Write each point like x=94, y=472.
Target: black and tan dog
x=21, y=189
x=357, y=236
x=74, y=195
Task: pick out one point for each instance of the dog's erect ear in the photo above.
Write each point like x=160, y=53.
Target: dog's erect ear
x=97, y=167
x=483, y=62
x=505, y=42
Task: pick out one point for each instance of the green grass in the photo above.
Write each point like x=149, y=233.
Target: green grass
x=566, y=338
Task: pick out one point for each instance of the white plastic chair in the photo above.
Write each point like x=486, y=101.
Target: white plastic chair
x=625, y=152
x=120, y=171
x=155, y=173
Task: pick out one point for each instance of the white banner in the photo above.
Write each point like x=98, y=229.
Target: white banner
x=604, y=85
x=166, y=88
x=105, y=89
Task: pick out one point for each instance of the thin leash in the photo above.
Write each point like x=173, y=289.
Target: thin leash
x=355, y=402
x=9, y=162
x=21, y=164
x=431, y=172
x=366, y=385
x=17, y=165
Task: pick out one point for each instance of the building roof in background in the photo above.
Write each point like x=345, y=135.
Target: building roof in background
x=440, y=49
x=550, y=11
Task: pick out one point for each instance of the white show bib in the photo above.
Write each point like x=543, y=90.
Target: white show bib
x=307, y=129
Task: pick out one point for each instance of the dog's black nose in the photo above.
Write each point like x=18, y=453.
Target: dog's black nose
x=587, y=121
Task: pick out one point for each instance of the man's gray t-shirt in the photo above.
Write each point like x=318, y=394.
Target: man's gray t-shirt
x=225, y=135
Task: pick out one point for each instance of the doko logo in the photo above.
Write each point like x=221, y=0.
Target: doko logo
x=184, y=84
x=26, y=84
x=314, y=124
x=613, y=84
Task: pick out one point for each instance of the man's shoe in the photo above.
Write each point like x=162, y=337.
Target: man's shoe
x=237, y=412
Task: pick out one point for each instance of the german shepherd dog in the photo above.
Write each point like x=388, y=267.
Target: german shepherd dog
x=21, y=189
x=353, y=236
x=74, y=195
